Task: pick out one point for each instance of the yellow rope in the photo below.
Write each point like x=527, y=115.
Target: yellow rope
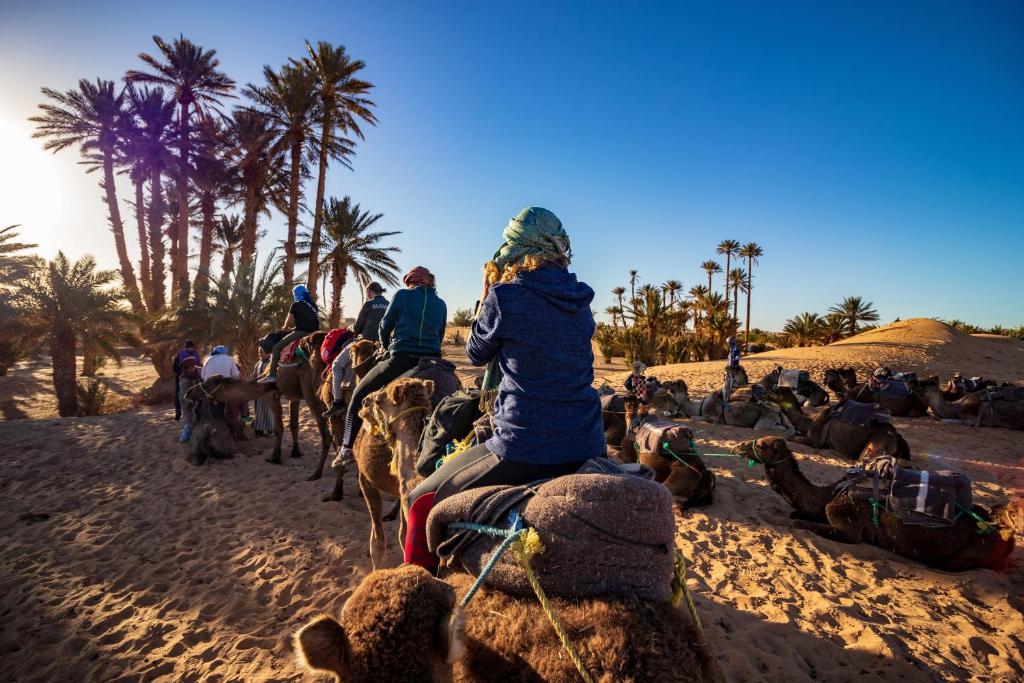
x=526, y=546
x=680, y=590
x=460, y=447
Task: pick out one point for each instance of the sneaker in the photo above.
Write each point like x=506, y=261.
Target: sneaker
x=345, y=457
x=269, y=379
x=186, y=433
x=336, y=407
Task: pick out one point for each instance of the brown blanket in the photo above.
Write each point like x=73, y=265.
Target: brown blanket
x=603, y=535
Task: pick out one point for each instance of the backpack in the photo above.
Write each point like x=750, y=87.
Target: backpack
x=451, y=421
x=333, y=342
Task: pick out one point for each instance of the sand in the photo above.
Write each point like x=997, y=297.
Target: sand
x=123, y=562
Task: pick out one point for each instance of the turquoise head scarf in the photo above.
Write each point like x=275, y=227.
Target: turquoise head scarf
x=532, y=232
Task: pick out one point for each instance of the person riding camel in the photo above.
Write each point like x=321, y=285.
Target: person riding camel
x=532, y=331
x=636, y=384
x=303, y=319
x=368, y=322
x=412, y=328
x=186, y=373
x=342, y=374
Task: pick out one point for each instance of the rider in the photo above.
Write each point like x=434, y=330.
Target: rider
x=303, y=318
x=186, y=372
x=533, y=329
x=342, y=374
x=220, y=363
x=368, y=322
x=412, y=328
x=734, y=352
x=636, y=383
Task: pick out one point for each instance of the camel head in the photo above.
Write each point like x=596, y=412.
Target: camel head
x=360, y=352
x=397, y=626
x=839, y=380
x=737, y=374
x=396, y=413
x=768, y=450
x=226, y=390
x=680, y=393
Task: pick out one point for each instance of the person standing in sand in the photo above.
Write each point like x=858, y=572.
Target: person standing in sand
x=264, y=423
x=532, y=331
x=189, y=357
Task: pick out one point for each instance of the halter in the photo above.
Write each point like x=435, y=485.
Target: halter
x=757, y=454
x=381, y=425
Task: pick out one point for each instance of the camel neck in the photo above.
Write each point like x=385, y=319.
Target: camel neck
x=788, y=481
x=942, y=408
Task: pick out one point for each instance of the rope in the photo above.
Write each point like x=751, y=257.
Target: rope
x=680, y=590
x=664, y=444
x=984, y=526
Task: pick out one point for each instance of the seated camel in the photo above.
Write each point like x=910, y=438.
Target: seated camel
x=992, y=408
x=746, y=409
x=843, y=381
x=402, y=625
x=681, y=471
x=839, y=517
x=809, y=393
x=851, y=440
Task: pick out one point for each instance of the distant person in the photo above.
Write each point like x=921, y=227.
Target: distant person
x=636, y=383
x=412, y=328
x=368, y=323
x=342, y=376
x=189, y=356
x=220, y=363
x=734, y=352
x=264, y=423
x=303, y=318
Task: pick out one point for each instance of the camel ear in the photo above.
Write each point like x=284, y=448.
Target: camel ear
x=397, y=392
x=428, y=388
x=321, y=645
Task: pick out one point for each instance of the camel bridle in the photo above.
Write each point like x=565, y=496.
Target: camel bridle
x=382, y=425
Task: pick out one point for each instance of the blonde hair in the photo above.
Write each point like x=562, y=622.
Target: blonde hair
x=528, y=264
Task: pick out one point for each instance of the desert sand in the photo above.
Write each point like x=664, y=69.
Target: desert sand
x=122, y=562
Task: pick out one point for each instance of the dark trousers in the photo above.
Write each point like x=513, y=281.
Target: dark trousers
x=177, y=398
x=382, y=374
x=479, y=467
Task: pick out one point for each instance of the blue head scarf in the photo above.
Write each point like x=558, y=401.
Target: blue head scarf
x=218, y=350
x=300, y=293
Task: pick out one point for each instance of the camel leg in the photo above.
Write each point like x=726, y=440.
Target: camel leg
x=296, y=453
x=275, y=405
x=317, y=408
x=378, y=542
x=339, y=487
x=824, y=530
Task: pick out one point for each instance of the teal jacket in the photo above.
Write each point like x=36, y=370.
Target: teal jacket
x=414, y=322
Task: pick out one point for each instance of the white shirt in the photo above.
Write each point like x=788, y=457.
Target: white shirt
x=220, y=364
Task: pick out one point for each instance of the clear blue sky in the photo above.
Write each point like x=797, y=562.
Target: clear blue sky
x=874, y=149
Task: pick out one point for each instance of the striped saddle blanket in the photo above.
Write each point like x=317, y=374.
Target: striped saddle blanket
x=932, y=498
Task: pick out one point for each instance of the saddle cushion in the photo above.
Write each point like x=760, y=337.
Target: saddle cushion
x=791, y=378
x=926, y=498
x=861, y=414
x=613, y=403
x=288, y=355
x=603, y=535
x=652, y=434
x=440, y=372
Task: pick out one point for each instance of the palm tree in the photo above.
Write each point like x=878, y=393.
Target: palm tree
x=349, y=246
x=214, y=180
x=728, y=248
x=804, y=329
x=697, y=292
x=289, y=98
x=672, y=287
x=711, y=267
x=615, y=312
x=833, y=328
x=737, y=279
x=61, y=300
x=343, y=103
x=190, y=72
x=260, y=164
x=146, y=136
x=750, y=251
x=855, y=310
x=89, y=117
x=620, y=292
x=227, y=238
x=14, y=267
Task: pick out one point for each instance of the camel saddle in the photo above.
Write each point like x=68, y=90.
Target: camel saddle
x=291, y=355
x=603, y=535
x=861, y=414
x=793, y=379
x=441, y=372
x=932, y=498
x=896, y=386
x=653, y=434
x=613, y=403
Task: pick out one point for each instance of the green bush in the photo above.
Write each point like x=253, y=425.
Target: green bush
x=92, y=396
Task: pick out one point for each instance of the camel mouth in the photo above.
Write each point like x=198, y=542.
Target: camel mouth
x=745, y=450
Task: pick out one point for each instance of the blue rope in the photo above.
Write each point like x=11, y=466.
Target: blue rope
x=509, y=535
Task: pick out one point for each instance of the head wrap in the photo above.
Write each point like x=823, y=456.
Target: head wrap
x=639, y=367
x=300, y=293
x=418, y=276
x=533, y=232
x=218, y=350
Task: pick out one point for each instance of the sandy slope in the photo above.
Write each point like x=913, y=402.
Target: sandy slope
x=146, y=568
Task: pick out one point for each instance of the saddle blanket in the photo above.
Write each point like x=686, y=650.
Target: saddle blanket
x=926, y=498
x=862, y=414
x=613, y=403
x=792, y=378
x=603, y=535
x=653, y=433
x=289, y=355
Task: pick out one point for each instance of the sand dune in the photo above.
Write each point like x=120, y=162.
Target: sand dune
x=122, y=562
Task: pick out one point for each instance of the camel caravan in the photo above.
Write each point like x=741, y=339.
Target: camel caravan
x=535, y=497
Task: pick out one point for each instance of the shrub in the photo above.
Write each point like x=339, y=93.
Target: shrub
x=92, y=396
x=463, y=318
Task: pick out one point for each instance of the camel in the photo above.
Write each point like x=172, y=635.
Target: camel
x=385, y=452
x=360, y=352
x=979, y=409
x=670, y=399
x=402, y=625
x=808, y=392
x=755, y=414
x=843, y=382
x=682, y=471
x=854, y=441
x=838, y=517
x=295, y=384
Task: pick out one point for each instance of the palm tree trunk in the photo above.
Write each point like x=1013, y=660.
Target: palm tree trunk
x=250, y=219
x=208, y=205
x=62, y=356
x=88, y=359
x=735, y=298
x=156, y=240
x=727, y=259
x=131, y=287
x=227, y=264
x=709, y=281
x=181, y=256
x=293, y=209
x=750, y=289
x=337, y=286
x=318, y=211
x=140, y=224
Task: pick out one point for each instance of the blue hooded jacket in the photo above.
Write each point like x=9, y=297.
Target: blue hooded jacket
x=540, y=326
x=414, y=322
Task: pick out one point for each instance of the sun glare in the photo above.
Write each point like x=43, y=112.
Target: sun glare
x=31, y=184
